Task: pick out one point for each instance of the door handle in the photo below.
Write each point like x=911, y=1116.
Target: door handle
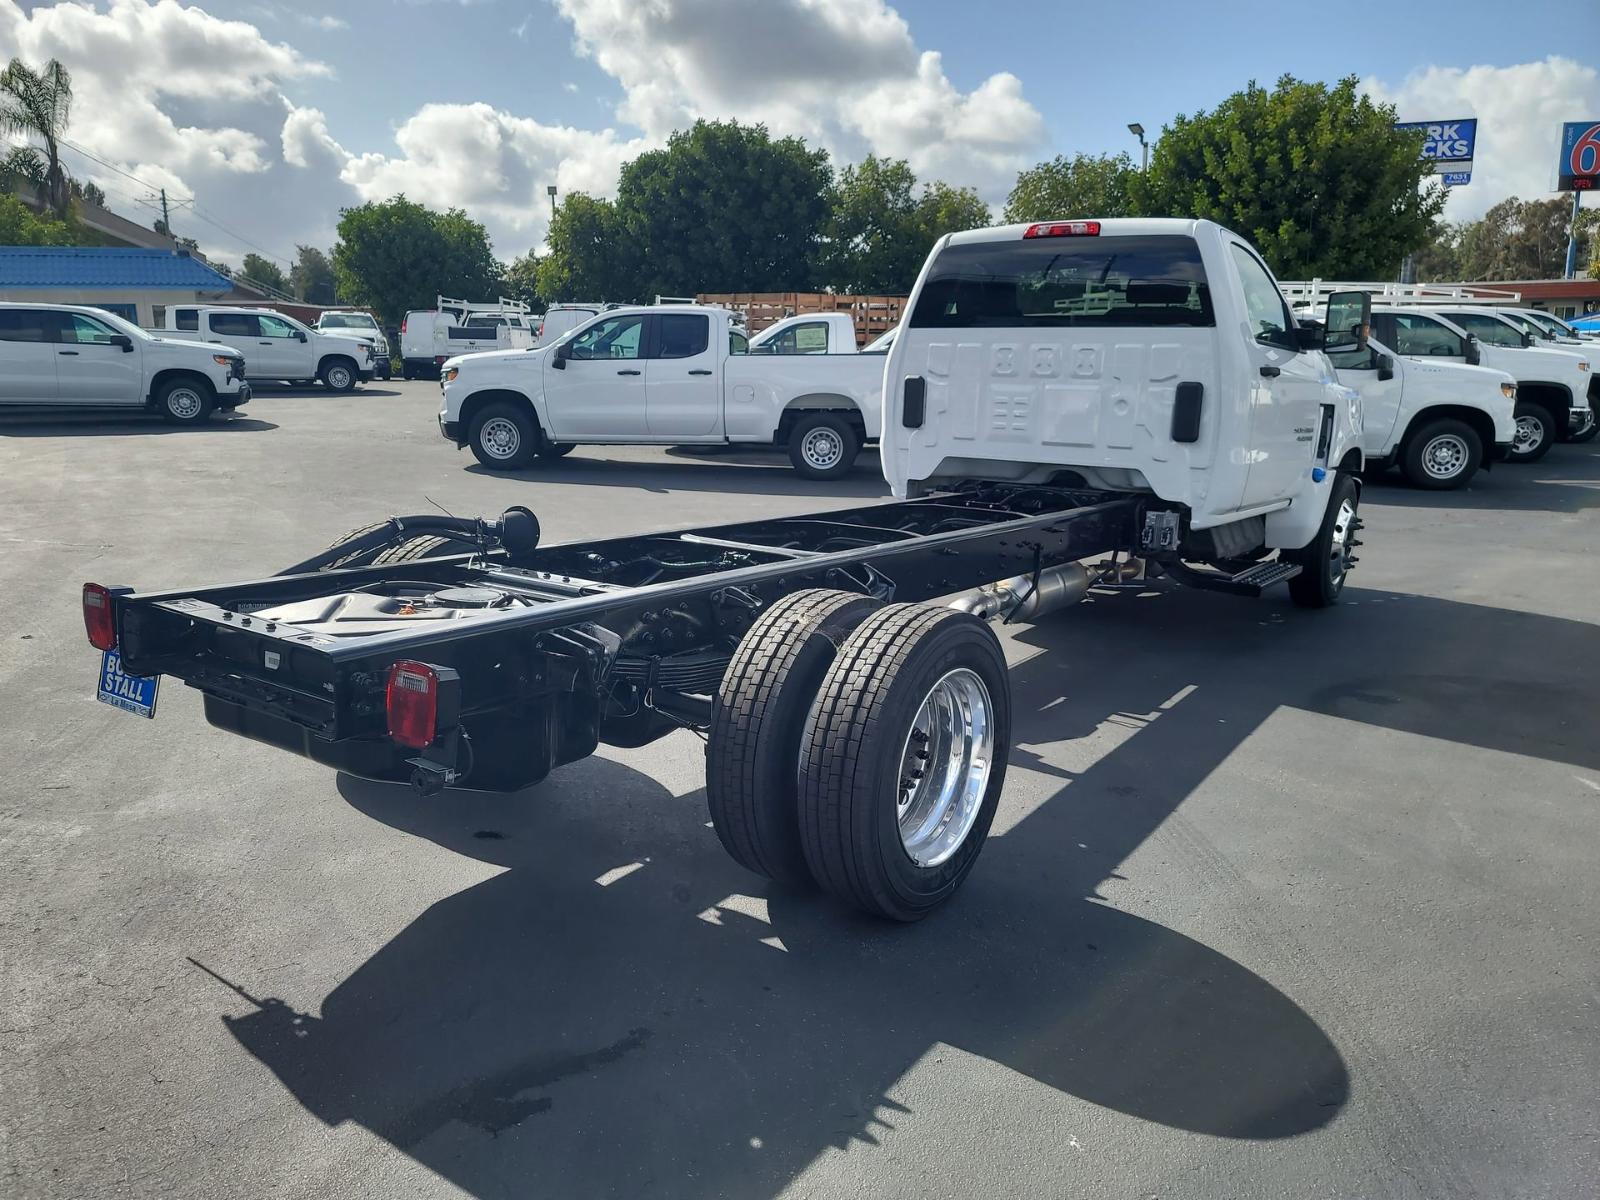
x=699, y=372
x=66, y=351
x=627, y=372
x=1270, y=372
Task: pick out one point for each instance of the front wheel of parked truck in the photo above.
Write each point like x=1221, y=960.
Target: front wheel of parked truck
x=757, y=721
x=903, y=759
x=185, y=401
x=504, y=437
x=1535, y=432
x=339, y=375
x=1325, y=563
x=1443, y=454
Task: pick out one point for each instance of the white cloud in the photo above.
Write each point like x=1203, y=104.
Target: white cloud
x=1520, y=111
x=843, y=73
x=324, y=22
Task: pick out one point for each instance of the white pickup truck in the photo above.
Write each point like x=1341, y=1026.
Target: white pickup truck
x=1553, y=382
x=428, y=337
x=808, y=333
x=276, y=346
x=62, y=356
x=352, y=322
x=671, y=376
x=1438, y=420
x=1139, y=355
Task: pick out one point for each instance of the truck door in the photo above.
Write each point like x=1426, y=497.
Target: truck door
x=1381, y=391
x=282, y=353
x=27, y=356
x=91, y=368
x=683, y=379
x=1286, y=388
x=239, y=331
x=594, y=390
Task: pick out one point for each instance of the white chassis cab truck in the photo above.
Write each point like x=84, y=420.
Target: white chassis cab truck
x=276, y=346
x=672, y=375
x=1068, y=393
x=1148, y=355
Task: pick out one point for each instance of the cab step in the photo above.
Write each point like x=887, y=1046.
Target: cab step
x=1251, y=581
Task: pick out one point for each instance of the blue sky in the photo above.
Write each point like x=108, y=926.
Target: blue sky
x=274, y=114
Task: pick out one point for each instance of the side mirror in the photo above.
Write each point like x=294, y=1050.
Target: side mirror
x=1527, y=341
x=1385, y=367
x=1349, y=321
x=123, y=340
x=1474, y=351
x=1311, y=335
x=299, y=335
x=563, y=352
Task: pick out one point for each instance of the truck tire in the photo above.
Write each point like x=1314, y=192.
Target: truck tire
x=1325, y=563
x=1535, y=433
x=903, y=759
x=504, y=436
x=1442, y=454
x=186, y=400
x=339, y=374
x=422, y=546
x=823, y=445
x=557, y=449
x=758, y=717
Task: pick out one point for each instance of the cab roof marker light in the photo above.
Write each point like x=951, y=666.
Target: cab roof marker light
x=1063, y=229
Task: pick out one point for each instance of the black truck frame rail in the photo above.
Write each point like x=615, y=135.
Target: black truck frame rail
x=621, y=641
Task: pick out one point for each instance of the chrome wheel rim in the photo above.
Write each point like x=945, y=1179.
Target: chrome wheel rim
x=339, y=377
x=1445, y=456
x=945, y=767
x=1530, y=432
x=501, y=438
x=183, y=403
x=822, y=448
x=1339, y=552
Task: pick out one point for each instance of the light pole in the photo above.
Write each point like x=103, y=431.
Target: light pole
x=551, y=192
x=1144, y=147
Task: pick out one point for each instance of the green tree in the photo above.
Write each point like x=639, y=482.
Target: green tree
x=257, y=269
x=588, y=257
x=1085, y=185
x=311, y=276
x=396, y=255
x=880, y=231
x=38, y=104
x=1317, y=177
x=21, y=226
x=521, y=281
x=724, y=207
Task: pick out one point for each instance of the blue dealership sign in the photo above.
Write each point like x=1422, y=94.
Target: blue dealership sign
x=1449, y=146
x=1579, y=170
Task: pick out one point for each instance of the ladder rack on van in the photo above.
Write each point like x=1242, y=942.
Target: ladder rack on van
x=1316, y=291
x=504, y=305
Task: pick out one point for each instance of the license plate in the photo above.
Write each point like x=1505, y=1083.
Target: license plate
x=131, y=693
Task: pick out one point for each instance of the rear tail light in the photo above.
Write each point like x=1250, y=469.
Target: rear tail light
x=439, y=359
x=1063, y=229
x=403, y=321
x=98, y=619
x=413, y=704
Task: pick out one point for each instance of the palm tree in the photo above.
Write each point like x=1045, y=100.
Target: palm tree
x=39, y=102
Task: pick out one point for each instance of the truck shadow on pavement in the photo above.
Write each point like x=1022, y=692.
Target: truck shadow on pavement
x=742, y=474
x=113, y=424
x=623, y=1010
x=1566, y=480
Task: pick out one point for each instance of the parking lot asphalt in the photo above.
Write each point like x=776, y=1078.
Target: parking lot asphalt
x=1278, y=903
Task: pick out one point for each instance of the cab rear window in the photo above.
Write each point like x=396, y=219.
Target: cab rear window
x=1069, y=282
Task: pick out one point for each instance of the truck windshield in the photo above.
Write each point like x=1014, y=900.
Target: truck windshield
x=1082, y=281
x=347, y=321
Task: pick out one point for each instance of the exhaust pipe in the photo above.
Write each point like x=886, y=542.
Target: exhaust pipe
x=1019, y=600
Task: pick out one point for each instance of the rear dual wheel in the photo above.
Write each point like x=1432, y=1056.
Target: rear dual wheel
x=885, y=795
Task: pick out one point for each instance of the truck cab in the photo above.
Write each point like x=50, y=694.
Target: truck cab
x=276, y=346
x=1146, y=355
x=807, y=333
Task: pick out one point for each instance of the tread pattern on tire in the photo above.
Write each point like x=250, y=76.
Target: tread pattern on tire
x=755, y=679
x=421, y=546
x=835, y=757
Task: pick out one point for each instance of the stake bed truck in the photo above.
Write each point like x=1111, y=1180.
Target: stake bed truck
x=1064, y=397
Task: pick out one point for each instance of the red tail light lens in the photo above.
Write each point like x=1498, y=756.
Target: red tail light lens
x=97, y=617
x=403, y=321
x=1063, y=229
x=413, y=704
